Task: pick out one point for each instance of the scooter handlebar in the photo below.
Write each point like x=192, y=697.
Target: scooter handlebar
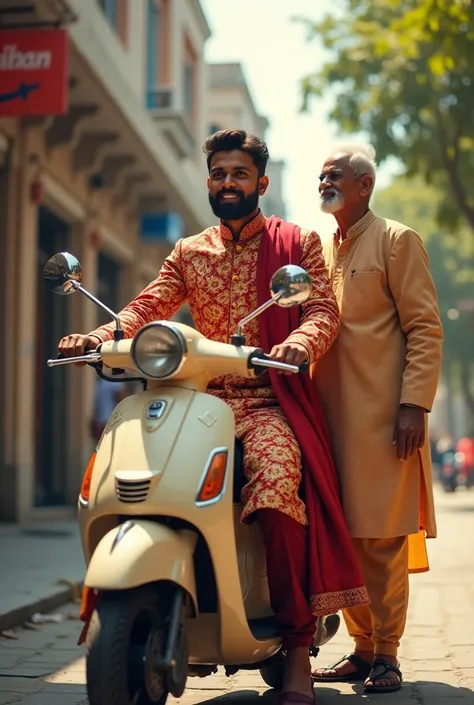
x=91, y=358
x=266, y=361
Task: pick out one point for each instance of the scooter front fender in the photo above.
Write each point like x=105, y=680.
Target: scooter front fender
x=139, y=552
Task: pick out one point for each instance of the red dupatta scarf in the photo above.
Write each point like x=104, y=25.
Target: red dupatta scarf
x=335, y=580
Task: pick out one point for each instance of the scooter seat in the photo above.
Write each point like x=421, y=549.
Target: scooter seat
x=239, y=477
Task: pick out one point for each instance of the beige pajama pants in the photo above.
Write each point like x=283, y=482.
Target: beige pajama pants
x=378, y=627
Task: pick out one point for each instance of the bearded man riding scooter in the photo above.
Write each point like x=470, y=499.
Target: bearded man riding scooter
x=291, y=489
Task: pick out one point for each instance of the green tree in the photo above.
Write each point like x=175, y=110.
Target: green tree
x=403, y=72
x=452, y=266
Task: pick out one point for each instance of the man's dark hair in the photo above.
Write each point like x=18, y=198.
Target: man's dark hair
x=227, y=140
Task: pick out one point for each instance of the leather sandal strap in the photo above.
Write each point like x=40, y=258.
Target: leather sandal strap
x=389, y=668
x=356, y=661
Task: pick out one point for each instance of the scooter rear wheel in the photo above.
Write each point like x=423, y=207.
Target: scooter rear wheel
x=125, y=638
x=274, y=671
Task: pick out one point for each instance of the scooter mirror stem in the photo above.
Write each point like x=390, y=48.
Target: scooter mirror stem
x=118, y=332
x=239, y=339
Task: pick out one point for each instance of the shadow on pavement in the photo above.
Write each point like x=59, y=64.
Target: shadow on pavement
x=425, y=692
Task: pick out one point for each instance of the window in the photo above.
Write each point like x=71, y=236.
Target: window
x=152, y=49
x=116, y=12
x=109, y=8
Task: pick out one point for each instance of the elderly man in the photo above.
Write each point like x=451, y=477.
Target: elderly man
x=378, y=383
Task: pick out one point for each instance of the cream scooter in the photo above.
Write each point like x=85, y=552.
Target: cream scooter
x=183, y=586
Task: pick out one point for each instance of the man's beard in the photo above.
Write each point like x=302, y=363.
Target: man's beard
x=241, y=208
x=331, y=201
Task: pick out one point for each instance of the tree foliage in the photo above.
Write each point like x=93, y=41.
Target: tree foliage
x=452, y=267
x=403, y=72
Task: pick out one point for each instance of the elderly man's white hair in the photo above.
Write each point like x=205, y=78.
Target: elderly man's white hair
x=362, y=156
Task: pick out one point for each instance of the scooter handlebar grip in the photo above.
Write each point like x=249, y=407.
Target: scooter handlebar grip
x=304, y=367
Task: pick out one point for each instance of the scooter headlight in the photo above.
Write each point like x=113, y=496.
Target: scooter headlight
x=158, y=350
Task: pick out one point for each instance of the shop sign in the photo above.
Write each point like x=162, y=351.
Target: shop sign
x=33, y=72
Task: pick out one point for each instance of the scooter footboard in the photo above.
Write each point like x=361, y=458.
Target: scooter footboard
x=140, y=552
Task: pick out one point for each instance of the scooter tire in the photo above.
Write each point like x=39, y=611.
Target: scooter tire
x=108, y=643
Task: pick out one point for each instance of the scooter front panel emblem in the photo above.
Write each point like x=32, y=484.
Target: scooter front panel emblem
x=156, y=409
x=156, y=414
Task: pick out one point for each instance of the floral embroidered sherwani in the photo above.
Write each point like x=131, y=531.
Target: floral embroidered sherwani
x=217, y=276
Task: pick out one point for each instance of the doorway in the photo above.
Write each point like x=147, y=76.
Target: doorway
x=51, y=384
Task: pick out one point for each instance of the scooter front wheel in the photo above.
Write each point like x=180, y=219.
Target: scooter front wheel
x=124, y=642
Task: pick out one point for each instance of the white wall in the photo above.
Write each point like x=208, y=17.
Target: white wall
x=229, y=107
x=128, y=59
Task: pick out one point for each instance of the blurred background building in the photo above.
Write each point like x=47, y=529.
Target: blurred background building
x=116, y=179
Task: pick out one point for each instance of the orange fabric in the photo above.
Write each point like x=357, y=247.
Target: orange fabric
x=90, y=598
x=417, y=553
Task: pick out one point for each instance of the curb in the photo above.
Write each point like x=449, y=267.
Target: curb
x=20, y=615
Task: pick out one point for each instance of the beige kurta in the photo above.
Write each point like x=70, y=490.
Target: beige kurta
x=388, y=352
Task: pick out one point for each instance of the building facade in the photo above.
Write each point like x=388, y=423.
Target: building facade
x=126, y=155
x=231, y=105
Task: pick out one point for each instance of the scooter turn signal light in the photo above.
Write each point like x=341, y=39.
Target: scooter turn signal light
x=213, y=482
x=87, y=479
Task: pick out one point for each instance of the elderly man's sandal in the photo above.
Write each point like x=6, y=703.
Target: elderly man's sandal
x=389, y=668
x=363, y=669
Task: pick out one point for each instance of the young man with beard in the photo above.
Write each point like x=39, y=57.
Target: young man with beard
x=378, y=382
x=224, y=274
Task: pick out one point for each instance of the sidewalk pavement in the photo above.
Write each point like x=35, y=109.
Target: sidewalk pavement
x=41, y=567
x=45, y=667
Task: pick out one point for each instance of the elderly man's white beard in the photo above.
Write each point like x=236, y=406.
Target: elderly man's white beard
x=331, y=201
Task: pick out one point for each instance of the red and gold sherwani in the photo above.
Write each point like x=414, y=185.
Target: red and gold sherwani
x=218, y=278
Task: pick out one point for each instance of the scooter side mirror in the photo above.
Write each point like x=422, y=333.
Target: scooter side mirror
x=290, y=286
x=63, y=275
x=61, y=271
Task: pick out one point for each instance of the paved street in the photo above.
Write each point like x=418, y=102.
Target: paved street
x=44, y=667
